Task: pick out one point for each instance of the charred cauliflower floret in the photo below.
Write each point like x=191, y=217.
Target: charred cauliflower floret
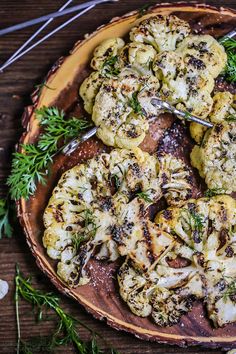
x=221, y=109
x=162, y=32
x=121, y=109
x=184, y=84
x=204, y=50
x=89, y=90
x=138, y=57
x=107, y=50
x=216, y=157
x=176, y=182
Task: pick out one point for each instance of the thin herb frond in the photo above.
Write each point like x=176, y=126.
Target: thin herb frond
x=195, y=222
x=145, y=197
x=30, y=166
x=135, y=104
x=214, y=191
x=231, y=118
x=230, y=48
x=5, y=225
x=110, y=67
x=230, y=291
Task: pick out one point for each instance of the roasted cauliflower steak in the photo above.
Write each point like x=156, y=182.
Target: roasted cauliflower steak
x=198, y=264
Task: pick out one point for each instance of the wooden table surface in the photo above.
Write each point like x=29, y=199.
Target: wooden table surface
x=16, y=84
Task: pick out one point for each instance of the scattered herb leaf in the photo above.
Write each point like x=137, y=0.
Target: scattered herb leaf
x=214, y=191
x=231, y=118
x=31, y=166
x=109, y=66
x=230, y=291
x=145, y=197
x=135, y=104
x=195, y=222
x=42, y=85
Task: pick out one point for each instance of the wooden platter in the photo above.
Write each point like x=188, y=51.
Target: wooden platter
x=101, y=297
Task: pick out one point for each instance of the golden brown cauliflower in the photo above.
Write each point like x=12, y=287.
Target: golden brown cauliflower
x=204, y=50
x=162, y=32
x=215, y=159
x=122, y=107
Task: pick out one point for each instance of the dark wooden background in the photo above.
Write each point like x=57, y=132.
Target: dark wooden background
x=16, y=84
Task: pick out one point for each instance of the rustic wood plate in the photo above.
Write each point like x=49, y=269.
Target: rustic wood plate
x=100, y=297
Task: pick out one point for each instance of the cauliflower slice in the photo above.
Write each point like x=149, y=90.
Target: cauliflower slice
x=162, y=32
x=118, y=111
x=216, y=157
x=204, y=50
x=106, y=51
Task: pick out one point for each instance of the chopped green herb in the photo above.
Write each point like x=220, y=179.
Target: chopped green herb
x=31, y=166
x=230, y=291
x=231, y=118
x=195, y=221
x=117, y=181
x=109, y=66
x=214, y=191
x=135, y=105
x=145, y=197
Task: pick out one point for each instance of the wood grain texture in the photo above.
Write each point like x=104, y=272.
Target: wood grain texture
x=15, y=86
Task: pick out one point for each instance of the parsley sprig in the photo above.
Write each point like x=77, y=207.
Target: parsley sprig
x=67, y=328
x=214, y=191
x=230, y=48
x=30, y=166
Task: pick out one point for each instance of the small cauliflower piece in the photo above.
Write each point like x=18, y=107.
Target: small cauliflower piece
x=138, y=57
x=222, y=106
x=89, y=89
x=216, y=157
x=108, y=49
x=162, y=32
x=175, y=178
x=204, y=49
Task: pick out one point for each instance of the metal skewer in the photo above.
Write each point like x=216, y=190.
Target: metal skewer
x=8, y=63
x=51, y=15
x=159, y=104
x=36, y=33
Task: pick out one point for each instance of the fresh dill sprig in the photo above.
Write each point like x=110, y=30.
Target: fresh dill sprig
x=30, y=166
x=214, y=191
x=66, y=331
x=135, y=104
x=5, y=226
x=145, y=197
x=109, y=66
x=230, y=48
x=195, y=222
